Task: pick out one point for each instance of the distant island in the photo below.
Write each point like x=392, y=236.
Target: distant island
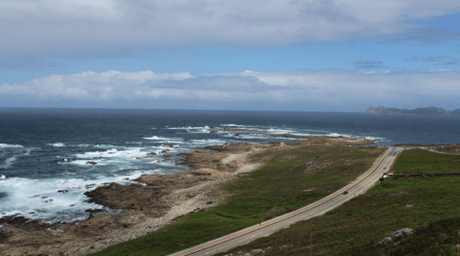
x=424, y=111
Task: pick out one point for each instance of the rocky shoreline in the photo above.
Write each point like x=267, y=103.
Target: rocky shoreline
x=148, y=205
x=153, y=201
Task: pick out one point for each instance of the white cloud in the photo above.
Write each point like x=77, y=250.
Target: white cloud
x=304, y=90
x=56, y=28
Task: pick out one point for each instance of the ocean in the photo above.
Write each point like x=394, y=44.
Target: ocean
x=46, y=150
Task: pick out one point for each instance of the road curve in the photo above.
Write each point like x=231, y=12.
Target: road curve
x=244, y=236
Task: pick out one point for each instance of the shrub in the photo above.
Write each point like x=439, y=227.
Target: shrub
x=277, y=211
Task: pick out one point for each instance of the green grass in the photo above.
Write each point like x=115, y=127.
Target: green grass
x=286, y=182
x=346, y=230
x=424, y=162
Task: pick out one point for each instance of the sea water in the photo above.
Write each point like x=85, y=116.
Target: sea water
x=46, y=150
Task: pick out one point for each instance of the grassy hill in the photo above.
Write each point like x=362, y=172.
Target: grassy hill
x=417, y=199
x=295, y=176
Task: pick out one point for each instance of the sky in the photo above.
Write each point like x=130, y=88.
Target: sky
x=283, y=55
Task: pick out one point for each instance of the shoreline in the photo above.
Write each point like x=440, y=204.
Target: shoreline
x=173, y=194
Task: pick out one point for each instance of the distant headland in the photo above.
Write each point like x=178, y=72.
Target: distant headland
x=424, y=111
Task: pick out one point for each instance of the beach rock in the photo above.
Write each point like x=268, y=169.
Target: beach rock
x=63, y=191
x=91, y=162
x=398, y=233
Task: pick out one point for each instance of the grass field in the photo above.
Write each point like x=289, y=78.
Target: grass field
x=291, y=178
x=430, y=205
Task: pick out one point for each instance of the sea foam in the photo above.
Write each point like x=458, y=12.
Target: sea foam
x=40, y=199
x=4, y=145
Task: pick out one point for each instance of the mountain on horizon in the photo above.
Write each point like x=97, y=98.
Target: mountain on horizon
x=422, y=111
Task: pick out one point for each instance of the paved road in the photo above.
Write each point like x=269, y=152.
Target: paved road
x=355, y=188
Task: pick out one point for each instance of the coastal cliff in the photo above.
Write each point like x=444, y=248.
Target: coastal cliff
x=422, y=111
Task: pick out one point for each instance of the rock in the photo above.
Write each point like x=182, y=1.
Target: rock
x=257, y=250
x=457, y=246
x=63, y=191
x=408, y=205
x=91, y=162
x=398, y=233
x=90, y=185
x=95, y=210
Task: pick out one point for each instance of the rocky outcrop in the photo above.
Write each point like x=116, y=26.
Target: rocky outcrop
x=396, y=234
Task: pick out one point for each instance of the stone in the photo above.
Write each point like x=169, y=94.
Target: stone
x=398, y=233
x=408, y=205
x=91, y=162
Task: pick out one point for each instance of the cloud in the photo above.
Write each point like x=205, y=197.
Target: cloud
x=297, y=90
x=369, y=64
x=450, y=63
x=68, y=28
x=426, y=35
x=432, y=58
x=27, y=65
x=438, y=60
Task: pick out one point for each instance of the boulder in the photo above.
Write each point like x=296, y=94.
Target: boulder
x=398, y=233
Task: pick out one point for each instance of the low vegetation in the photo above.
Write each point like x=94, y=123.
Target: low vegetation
x=426, y=203
x=293, y=176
